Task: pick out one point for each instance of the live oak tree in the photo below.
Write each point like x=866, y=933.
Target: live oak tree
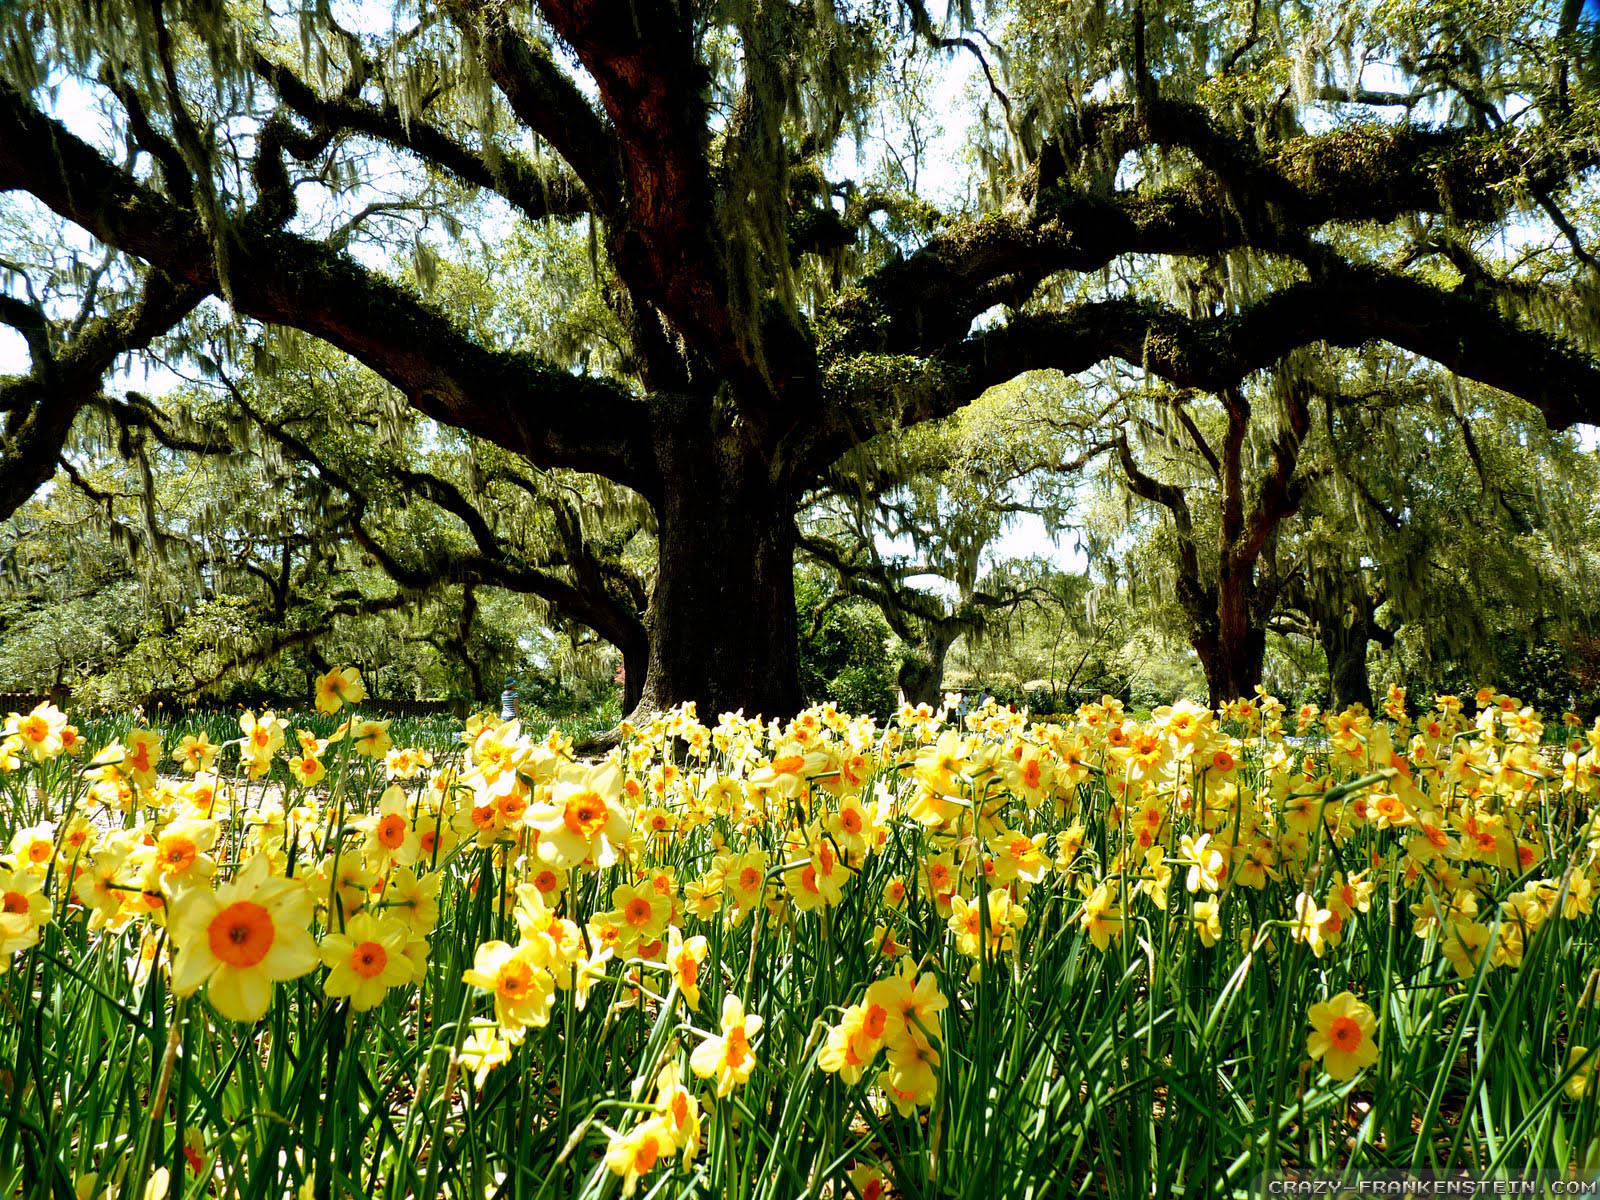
x=910, y=523
x=1224, y=473
x=240, y=522
x=1393, y=500
x=1450, y=524
x=778, y=308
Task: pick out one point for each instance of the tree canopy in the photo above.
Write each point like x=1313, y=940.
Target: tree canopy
x=740, y=262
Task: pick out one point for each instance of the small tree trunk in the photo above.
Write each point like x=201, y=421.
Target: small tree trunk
x=722, y=626
x=1344, y=639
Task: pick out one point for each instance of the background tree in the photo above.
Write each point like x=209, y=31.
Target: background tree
x=911, y=523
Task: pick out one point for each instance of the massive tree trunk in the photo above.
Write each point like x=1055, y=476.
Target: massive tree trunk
x=921, y=675
x=1345, y=631
x=1233, y=665
x=722, y=625
x=635, y=666
x=1234, y=654
x=1345, y=644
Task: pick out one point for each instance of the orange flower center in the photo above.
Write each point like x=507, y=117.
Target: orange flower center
x=39, y=851
x=1345, y=1033
x=14, y=902
x=369, y=959
x=515, y=980
x=586, y=814
x=637, y=911
x=738, y=1046
x=392, y=831
x=178, y=853
x=850, y=819
x=512, y=806
x=645, y=1156
x=875, y=1021
x=242, y=933
x=749, y=879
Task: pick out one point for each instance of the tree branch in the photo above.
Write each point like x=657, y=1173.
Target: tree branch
x=40, y=407
x=538, y=194
x=1462, y=332
x=544, y=98
x=552, y=416
x=1269, y=201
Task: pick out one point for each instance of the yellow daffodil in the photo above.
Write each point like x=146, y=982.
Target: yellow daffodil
x=366, y=960
x=241, y=939
x=728, y=1058
x=1343, y=1035
x=340, y=686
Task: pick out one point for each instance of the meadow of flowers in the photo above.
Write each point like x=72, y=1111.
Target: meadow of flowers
x=992, y=956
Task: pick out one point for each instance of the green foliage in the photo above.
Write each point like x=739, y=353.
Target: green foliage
x=845, y=651
x=1122, y=1042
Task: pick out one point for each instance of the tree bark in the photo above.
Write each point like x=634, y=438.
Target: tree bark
x=722, y=625
x=921, y=675
x=635, y=666
x=1344, y=640
x=1234, y=653
x=1232, y=665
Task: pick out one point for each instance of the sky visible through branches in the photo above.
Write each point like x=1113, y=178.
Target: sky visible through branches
x=941, y=175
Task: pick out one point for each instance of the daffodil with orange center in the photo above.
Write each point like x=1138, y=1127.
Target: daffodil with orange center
x=728, y=1059
x=639, y=1151
x=366, y=960
x=40, y=731
x=142, y=755
x=391, y=839
x=684, y=957
x=23, y=911
x=523, y=989
x=241, y=939
x=911, y=1006
x=195, y=753
x=370, y=739
x=339, y=687
x=1343, y=1035
x=585, y=818
x=678, y=1108
x=182, y=852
